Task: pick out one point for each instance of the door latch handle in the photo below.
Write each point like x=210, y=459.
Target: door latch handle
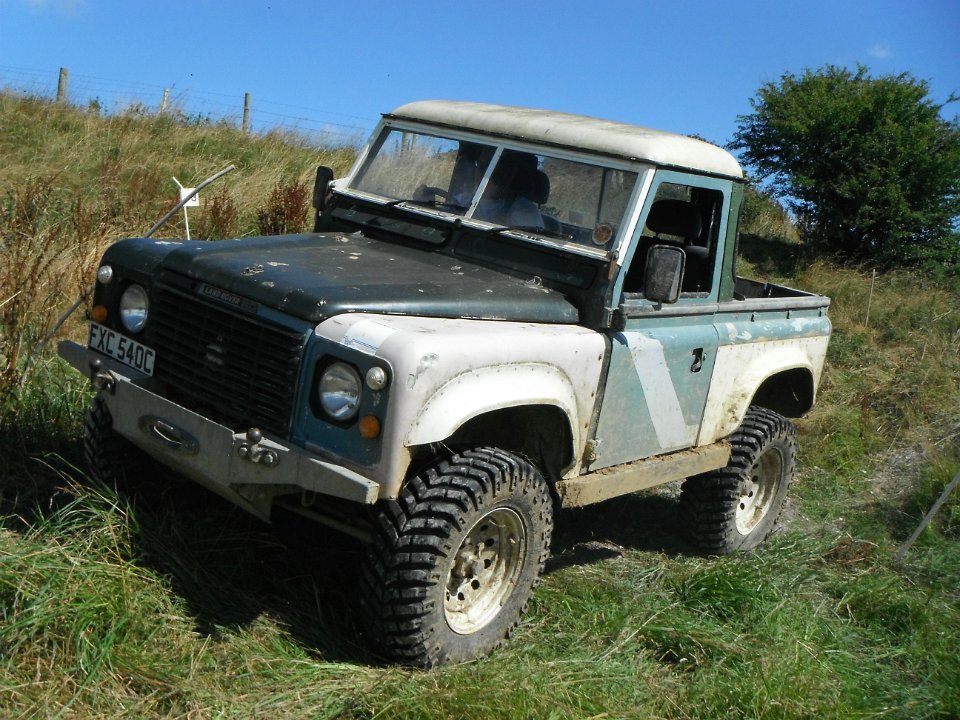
x=697, y=360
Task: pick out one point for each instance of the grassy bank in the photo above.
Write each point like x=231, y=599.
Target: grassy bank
x=73, y=181
x=159, y=600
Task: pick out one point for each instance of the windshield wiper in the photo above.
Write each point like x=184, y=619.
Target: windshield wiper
x=426, y=203
x=535, y=229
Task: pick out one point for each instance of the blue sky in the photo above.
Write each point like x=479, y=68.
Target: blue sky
x=686, y=66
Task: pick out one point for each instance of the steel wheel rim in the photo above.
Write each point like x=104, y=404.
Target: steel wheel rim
x=485, y=570
x=758, y=491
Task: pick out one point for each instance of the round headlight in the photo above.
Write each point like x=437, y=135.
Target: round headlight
x=340, y=391
x=134, y=307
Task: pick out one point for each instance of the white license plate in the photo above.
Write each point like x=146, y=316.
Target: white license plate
x=121, y=348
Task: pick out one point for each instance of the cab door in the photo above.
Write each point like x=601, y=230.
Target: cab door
x=662, y=357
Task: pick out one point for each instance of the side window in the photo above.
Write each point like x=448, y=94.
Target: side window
x=689, y=217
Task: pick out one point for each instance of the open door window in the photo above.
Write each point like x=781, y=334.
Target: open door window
x=687, y=217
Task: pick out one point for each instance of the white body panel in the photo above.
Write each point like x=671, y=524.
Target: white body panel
x=742, y=368
x=447, y=371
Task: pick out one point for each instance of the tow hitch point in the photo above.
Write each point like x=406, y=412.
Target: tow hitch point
x=252, y=450
x=100, y=377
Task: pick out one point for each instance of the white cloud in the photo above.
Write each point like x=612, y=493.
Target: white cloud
x=880, y=52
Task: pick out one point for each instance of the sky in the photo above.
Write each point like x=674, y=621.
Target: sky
x=687, y=66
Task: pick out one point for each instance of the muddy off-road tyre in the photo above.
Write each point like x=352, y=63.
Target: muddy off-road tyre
x=111, y=458
x=738, y=506
x=456, y=558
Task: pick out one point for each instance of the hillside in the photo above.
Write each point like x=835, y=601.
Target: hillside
x=163, y=601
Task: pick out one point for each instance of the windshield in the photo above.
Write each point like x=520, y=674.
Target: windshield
x=543, y=195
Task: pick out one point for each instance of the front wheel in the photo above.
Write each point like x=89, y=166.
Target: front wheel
x=738, y=506
x=456, y=558
x=110, y=457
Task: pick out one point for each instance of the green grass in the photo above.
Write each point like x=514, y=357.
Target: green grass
x=167, y=604
x=155, y=599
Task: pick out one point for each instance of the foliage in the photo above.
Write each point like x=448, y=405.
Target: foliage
x=159, y=600
x=49, y=247
x=286, y=210
x=125, y=163
x=765, y=216
x=220, y=219
x=868, y=165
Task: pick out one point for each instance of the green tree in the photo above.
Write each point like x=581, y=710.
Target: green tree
x=867, y=164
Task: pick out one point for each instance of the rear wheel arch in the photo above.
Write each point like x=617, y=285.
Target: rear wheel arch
x=789, y=393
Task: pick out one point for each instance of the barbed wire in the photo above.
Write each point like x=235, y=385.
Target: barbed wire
x=117, y=95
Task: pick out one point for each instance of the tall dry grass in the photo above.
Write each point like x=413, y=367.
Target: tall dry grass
x=73, y=181
x=49, y=244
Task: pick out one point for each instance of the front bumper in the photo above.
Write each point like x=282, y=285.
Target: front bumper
x=242, y=467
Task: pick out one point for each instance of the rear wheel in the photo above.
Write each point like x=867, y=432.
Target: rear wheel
x=738, y=506
x=456, y=558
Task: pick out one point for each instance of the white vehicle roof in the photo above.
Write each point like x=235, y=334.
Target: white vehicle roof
x=575, y=131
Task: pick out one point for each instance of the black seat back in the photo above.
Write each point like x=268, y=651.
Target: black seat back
x=675, y=217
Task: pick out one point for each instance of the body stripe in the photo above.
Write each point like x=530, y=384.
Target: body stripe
x=658, y=388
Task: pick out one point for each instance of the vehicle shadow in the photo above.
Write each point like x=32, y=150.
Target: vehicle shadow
x=648, y=522
x=773, y=256
x=227, y=568
x=231, y=570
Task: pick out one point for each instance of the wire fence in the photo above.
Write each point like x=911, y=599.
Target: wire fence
x=111, y=96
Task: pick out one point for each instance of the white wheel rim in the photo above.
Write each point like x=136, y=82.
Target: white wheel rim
x=485, y=570
x=758, y=491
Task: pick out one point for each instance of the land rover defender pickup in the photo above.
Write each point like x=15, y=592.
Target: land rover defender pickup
x=500, y=313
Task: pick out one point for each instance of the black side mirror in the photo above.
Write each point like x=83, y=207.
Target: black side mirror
x=663, y=277
x=321, y=188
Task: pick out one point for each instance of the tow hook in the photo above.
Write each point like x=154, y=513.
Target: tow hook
x=251, y=449
x=101, y=378
x=169, y=435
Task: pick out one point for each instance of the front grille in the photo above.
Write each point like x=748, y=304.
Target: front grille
x=222, y=363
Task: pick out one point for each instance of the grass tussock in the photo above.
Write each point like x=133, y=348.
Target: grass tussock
x=155, y=599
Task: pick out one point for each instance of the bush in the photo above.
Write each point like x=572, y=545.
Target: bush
x=869, y=167
x=220, y=217
x=286, y=210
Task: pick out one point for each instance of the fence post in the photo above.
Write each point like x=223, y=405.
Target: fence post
x=62, y=85
x=166, y=100
x=246, y=113
x=873, y=281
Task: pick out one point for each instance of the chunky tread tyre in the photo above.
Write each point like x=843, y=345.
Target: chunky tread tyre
x=738, y=506
x=424, y=541
x=110, y=457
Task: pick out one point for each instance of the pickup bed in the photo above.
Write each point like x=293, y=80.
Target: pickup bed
x=500, y=313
